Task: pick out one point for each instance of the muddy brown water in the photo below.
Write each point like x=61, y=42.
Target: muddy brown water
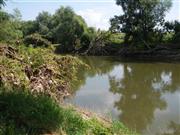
x=145, y=96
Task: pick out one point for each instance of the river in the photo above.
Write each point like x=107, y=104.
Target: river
x=144, y=96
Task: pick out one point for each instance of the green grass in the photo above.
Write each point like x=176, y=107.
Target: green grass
x=28, y=114
x=115, y=128
x=23, y=113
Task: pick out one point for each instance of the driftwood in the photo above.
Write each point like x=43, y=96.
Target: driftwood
x=9, y=51
x=97, y=45
x=42, y=80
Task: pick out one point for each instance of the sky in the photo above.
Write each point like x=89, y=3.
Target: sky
x=95, y=12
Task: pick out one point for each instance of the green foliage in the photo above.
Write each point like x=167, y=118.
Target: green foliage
x=9, y=31
x=118, y=127
x=141, y=20
x=117, y=38
x=100, y=128
x=29, y=27
x=44, y=25
x=10, y=26
x=167, y=37
x=11, y=73
x=98, y=43
x=29, y=114
x=65, y=28
x=73, y=123
x=173, y=27
x=68, y=29
x=4, y=16
x=86, y=38
x=33, y=57
x=36, y=40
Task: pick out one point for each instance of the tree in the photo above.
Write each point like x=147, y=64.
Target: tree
x=29, y=27
x=4, y=16
x=2, y=3
x=173, y=27
x=16, y=16
x=142, y=19
x=68, y=28
x=10, y=26
x=86, y=39
x=44, y=25
x=65, y=28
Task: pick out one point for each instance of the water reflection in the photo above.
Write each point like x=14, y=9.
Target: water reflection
x=174, y=129
x=144, y=96
x=97, y=65
x=140, y=97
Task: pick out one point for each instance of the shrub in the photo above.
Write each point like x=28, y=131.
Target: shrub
x=36, y=40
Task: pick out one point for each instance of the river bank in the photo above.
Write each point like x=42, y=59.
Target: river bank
x=33, y=83
x=159, y=53
x=162, y=52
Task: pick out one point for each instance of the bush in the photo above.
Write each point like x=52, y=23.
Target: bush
x=36, y=40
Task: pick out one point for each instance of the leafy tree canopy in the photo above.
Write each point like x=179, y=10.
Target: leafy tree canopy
x=65, y=28
x=173, y=27
x=68, y=28
x=140, y=19
x=10, y=26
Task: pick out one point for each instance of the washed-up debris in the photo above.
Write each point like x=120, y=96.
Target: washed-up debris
x=51, y=78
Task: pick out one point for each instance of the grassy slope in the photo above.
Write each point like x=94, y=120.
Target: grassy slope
x=23, y=113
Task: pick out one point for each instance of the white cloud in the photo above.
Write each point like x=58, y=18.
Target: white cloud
x=174, y=13
x=95, y=18
x=99, y=17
